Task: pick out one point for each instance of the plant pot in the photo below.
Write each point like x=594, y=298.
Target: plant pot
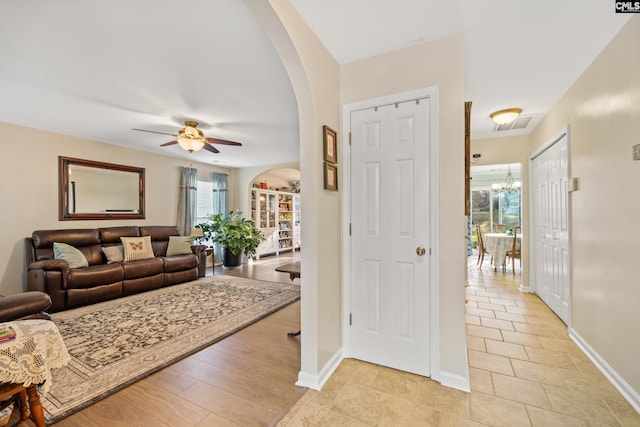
x=230, y=260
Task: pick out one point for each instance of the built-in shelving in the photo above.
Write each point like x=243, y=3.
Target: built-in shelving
x=277, y=215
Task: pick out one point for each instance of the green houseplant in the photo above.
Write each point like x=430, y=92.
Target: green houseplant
x=237, y=235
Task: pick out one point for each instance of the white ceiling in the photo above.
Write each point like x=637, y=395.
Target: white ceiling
x=96, y=69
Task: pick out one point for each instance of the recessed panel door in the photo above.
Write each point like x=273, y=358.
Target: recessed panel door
x=390, y=236
x=551, y=228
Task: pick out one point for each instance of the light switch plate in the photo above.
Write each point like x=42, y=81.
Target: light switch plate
x=636, y=152
x=572, y=184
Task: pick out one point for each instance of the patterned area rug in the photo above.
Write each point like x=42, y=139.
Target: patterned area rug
x=115, y=343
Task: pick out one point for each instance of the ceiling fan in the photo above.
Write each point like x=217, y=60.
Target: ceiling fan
x=192, y=139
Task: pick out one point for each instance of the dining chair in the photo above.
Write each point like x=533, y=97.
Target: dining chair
x=500, y=228
x=515, y=250
x=481, y=249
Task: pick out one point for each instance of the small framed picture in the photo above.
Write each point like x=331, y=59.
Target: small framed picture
x=330, y=144
x=330, y=177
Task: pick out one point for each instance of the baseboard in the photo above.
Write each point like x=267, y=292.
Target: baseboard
x=455, y=381
x=618, y=382
x=316, y=381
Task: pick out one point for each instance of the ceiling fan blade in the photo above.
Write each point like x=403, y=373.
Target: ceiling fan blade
x=153, y=131
x=221, y=141
x=168, y=143
x=211, y=148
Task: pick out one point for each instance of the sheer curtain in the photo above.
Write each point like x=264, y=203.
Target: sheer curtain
x=187, y=201
x=220, y=201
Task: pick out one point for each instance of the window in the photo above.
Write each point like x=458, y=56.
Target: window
x=204, y=203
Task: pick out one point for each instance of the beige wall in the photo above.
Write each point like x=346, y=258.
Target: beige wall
x=603, y=111
x=29, y=190
x=315, y=79
x=513, y=149
x=439, y=63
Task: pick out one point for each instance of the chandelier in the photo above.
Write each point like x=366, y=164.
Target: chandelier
x=509, y=185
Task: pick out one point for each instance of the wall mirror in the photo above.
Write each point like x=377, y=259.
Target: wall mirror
x=98, y=190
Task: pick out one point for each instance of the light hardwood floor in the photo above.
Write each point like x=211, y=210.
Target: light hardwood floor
x=246, y=379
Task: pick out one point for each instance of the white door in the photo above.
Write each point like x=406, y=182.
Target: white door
x=390, y=225
x=550, y=173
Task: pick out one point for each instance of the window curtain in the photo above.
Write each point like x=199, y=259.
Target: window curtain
x=220, y=201
x=187, y=200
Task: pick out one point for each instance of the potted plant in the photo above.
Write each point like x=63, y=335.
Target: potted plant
x=237, y=235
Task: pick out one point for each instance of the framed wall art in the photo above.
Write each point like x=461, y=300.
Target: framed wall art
x=330, y=140
x=330, y=177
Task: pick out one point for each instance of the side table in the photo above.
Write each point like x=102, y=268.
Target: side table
x=26, y=363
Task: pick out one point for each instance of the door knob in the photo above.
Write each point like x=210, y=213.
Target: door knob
x=420, y=250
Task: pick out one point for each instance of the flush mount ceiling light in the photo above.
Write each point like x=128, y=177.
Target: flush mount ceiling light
x=505, y=116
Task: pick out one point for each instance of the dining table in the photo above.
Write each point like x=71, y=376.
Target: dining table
x=497, y=244
x=32, y=349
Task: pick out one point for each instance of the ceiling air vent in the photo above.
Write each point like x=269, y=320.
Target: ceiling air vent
x=520, y=123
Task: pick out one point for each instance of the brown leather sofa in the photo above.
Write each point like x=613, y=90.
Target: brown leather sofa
x=100, y=281
x=27, y=305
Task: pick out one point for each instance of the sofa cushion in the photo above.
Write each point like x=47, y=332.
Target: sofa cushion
x=73, y=256
x=179, y=245
x=159, y=236
x=137, y=248
x=95, y=275
x=179, y=263
x=112, y=235
x=43, y=241
x=113, y=253
x=142, y=268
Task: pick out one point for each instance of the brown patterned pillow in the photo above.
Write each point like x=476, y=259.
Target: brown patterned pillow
x=137, y=248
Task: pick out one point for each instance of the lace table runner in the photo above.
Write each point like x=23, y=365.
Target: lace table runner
x=32, y=354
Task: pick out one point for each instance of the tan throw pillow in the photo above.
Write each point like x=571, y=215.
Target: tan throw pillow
x=137, y=248
x=73, y=256
x=113, y=253
x=179, y=245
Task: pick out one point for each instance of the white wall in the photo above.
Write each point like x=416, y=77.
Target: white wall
x=602, y=110
x=29, y=190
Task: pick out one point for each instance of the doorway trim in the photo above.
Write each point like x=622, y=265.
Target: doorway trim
x=434, y=219
x=532, y=261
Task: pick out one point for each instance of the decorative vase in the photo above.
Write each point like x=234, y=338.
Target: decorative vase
x=230, y=260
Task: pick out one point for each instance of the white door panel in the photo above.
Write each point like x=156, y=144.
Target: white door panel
x=550, y=204
x=390, y=220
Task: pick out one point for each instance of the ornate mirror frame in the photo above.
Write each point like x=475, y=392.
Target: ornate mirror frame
x=116, y=181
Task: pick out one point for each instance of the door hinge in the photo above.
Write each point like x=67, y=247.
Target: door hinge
x=349, y=138
x=349, y=229
x=350, y=320
x=429, y=251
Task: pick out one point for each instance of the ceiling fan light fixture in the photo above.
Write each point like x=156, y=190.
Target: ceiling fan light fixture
x=190, y=144
x=502, y=117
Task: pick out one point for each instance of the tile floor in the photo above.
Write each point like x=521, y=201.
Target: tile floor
x=524, y=371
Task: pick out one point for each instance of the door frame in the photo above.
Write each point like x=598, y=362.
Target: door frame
x=532, y=259
x=434, y=218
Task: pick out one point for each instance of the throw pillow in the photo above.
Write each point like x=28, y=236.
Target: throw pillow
x=179, y=245
x=113, y=253
x=73, y=256
x=137, y=248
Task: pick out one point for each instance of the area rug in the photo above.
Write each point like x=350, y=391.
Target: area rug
x=115, y=343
